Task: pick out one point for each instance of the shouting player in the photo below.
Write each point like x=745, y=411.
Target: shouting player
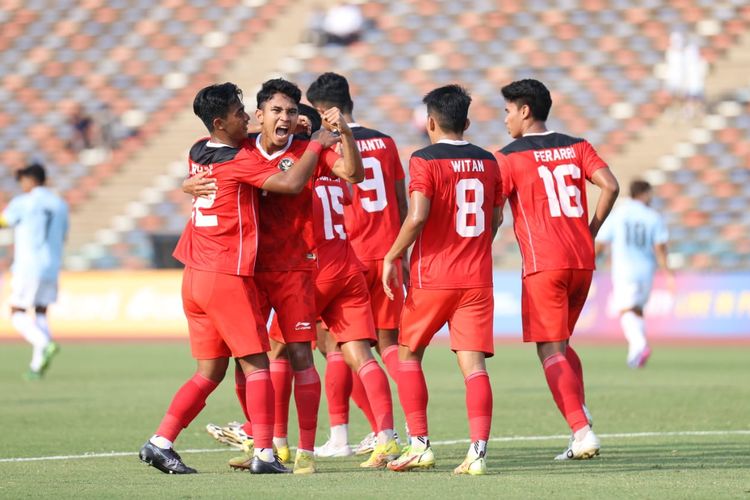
x=377, y=208
x=638, y=236
x=543, y=176
x=454, y=213
x=218, y=248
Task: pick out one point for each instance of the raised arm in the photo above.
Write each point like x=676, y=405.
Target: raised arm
x=605, y=180
x=293, y=180
x=349, y=167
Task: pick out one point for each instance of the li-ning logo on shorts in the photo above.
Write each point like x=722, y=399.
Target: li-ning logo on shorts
x=302, y=325
x=285, y=164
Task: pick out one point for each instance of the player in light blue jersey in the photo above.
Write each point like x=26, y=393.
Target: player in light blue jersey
x=637, y=236
x=40, y=221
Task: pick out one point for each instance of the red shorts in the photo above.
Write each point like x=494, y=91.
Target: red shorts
x=291, y=294
x=274, y=332
x=551, y=302
x=223, y=315
x=344, y=306
x=385, y=312
x=469, y=313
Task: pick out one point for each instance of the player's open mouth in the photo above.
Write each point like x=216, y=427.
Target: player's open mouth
x=281, y=131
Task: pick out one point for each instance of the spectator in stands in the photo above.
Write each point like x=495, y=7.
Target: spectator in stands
x=343, y=24
x=675, y=69
x=82, y=129
x=108, y=127
x=695, y=78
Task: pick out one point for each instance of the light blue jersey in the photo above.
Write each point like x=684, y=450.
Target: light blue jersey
x=632, y=230
x=40, y=222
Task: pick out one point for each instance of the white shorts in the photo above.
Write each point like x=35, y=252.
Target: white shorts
x=32, y=292
x=631, y=294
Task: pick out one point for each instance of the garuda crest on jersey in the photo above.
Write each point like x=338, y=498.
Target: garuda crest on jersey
x=285, y=164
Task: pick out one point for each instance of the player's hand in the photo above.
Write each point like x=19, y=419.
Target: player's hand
x=390, y=277
x=333, y=120
x=304, y=126
x=326, y=137
x=200, y=186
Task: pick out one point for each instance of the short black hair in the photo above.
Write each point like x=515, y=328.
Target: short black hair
x=312, y=114
x=35, y=171
x=639, y=187
x=215, y=101
x=331, y=89
x=532, y=93
x=449, y=105
x=278, y=86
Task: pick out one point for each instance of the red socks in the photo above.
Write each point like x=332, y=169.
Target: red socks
x=338, y=388
x=378, y=393
x=566, y=390
x=281, y=378
x=479, y=405
x=412, y=392
x=186, y=405
x=260, y=406
x=239, y=389
x=359, y=395
x=390, y=360
x=307, y=398
x=575, y=364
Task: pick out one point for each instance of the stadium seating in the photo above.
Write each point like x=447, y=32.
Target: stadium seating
x=602, y=72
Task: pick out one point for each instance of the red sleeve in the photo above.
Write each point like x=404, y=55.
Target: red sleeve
x=590, y=160
x=250, y=170
x=326, y=160
x=395, y=159
x=499, y=198
x=506, y=182
x=421, y=178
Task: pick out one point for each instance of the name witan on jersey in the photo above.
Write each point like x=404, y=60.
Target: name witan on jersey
x=371, y=144
x=328, y=179
x=555, y=154
x=467, y=165
x=196, y=168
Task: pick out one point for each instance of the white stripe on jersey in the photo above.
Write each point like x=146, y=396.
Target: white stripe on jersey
x=528, y=230
x=239, y=216
x=419, y=266
x=253, y=192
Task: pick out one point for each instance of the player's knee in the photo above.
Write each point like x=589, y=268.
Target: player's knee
x=300, y=355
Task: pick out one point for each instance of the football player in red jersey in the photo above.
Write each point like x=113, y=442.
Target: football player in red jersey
x=454, y=213
x=544, y=174
x=218, y=248
x=373, y=218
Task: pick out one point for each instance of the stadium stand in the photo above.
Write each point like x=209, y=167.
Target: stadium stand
x=600, y=57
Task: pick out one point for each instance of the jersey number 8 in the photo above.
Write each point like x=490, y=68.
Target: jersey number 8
x=467, y=208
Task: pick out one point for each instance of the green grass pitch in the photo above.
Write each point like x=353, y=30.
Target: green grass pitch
x=109, y=397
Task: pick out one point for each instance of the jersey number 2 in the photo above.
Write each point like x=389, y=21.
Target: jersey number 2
x=199, y=218
x=330, y=199
x=562, y=199
x=467, y=208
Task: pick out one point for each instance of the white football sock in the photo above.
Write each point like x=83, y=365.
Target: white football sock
x=33, y=335
x=385, y=435
x=419, y=443
x=340, y=434
x=265, y=454
x=42, y=324
x=280, y=442
x=161, y=442
x=477, y=449
x=634, y=329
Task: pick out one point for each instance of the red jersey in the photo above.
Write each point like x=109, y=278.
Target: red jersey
x=454, y=249
x=286, y=240
x=543, y=176
x=372, y=219
x=336, y=257
x=221, y=235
